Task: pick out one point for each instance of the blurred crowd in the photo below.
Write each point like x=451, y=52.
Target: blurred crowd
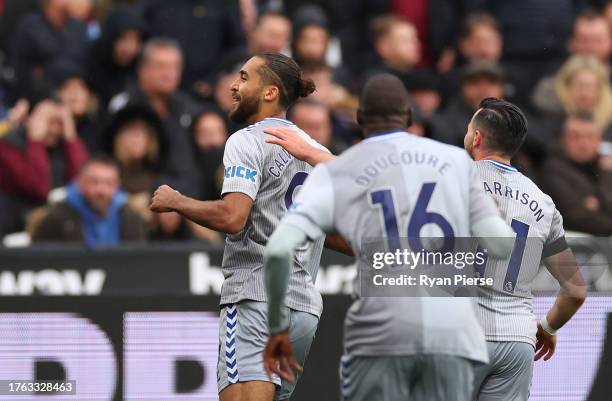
x=101, y=101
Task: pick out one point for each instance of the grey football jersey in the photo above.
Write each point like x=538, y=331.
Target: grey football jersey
x=270, y=176
x=505, y=309
x=342, y=196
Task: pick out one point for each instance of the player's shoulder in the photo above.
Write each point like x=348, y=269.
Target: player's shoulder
x=525, y=183
x=248, y=136
x=528, y=183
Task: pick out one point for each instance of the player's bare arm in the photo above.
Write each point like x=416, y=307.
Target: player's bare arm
x=228, y=215
x=293, y=143
x=570, y=298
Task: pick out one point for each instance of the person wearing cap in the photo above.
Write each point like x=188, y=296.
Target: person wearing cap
x=479, y=80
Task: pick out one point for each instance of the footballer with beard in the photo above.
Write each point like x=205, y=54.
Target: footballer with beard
x=261, y=179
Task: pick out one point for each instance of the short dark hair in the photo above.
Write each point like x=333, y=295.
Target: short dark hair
x=502, y=123
x=284, y=72
x=102, y=159
x=473, y=20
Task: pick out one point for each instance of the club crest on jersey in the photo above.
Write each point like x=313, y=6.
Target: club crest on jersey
x=240, y=172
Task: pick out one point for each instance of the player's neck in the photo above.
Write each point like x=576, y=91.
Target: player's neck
x=494, y=157
x=267, y=112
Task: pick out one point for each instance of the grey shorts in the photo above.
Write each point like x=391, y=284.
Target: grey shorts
x=414, y=378
x=507, y=377
x=243, y=334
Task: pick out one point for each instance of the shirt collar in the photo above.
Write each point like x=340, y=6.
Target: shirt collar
x=502, y=166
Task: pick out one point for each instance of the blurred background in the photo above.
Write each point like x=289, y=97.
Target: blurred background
x=102, y=101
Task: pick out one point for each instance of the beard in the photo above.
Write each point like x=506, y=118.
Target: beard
x=247, y=107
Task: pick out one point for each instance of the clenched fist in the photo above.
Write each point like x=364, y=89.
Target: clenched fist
x=164, y=199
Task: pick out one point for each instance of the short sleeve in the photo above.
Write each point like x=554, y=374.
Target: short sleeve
x=313, y=209
x=555, y=242
x=243, y=162
x=481, y=204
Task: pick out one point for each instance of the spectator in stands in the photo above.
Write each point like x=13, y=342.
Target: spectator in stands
x=427, y=89
x=310, y=36
x=95, y=211
x=209, y=134
x=43, y=154
x=206, y=30
x=479, y=80
x=339, y=100
x=334, y=95
x=159, y=75
x=315, y=119
x=347, y=21
x=535, y=35
x=73, y=90
x=43, y=37
x=480, y=39
x=579, y=180
x=591, y=36
x=111, y=59
x=581, y=86
x=397, y=44
x=136, y=140
x=135, y=137
x=311, y=42
x=272, y=33
x=83, y=10
x=210, y=130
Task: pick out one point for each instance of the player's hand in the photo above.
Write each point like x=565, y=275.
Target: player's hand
x=278, y=357
x=546, y=344
x=291, y=141
x=164, y=199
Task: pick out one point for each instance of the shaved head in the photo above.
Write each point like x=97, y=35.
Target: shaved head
x=384, y=105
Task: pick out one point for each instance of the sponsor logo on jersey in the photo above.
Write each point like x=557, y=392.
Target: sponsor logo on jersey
x=240, y=172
